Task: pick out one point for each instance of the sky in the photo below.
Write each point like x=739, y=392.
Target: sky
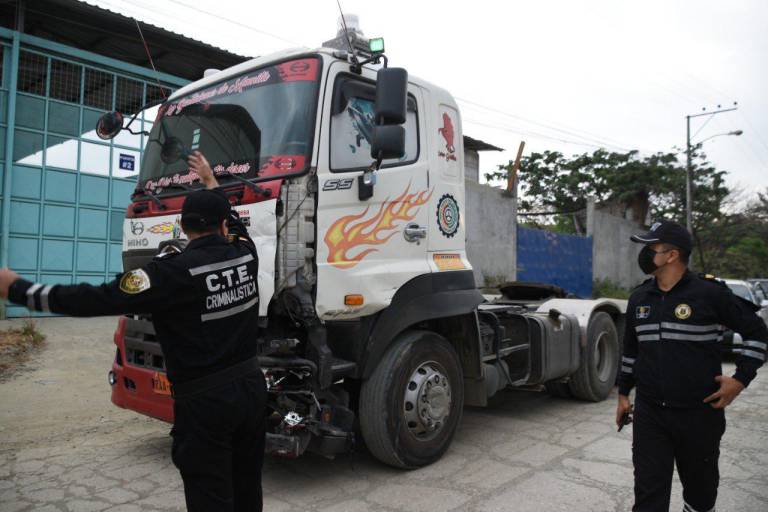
x=565, y=75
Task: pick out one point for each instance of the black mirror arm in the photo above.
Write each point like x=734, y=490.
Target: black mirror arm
x=357, y=66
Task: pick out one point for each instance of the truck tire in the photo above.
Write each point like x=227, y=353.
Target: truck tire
x=596, y=375
x=420, y=368
x=558, y=389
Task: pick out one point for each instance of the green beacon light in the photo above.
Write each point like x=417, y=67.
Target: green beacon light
x=376, y=45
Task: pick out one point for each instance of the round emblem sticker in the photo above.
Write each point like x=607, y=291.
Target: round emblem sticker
x=683, y=311
x=448, y=215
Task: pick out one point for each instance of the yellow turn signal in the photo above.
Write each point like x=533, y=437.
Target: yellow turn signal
x=353, y=300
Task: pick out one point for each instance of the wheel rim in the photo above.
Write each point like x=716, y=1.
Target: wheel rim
x=603, y=356
x=427, y=402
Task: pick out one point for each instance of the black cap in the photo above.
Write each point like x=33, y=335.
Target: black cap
x=666, y=232
x=203, y=209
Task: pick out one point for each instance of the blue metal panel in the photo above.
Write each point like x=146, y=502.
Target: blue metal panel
x=91, y=257
x=115, y=258
x=57, y=255
x=25, y=218
x=121, y=193
x=94, y=190
x=25, y=181
x=64, y=118
x=58, y=220
x=60, y=186
x=22, y=253
x=30, y=112
x=92, y=223
x=552, y=258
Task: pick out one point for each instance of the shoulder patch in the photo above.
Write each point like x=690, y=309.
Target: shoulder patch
x=713, y=279
x=135, y=281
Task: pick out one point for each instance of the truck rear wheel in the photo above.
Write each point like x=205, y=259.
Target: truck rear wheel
x=596, y=376
x=412, y=403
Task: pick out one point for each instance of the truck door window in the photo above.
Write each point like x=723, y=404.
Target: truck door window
x=352, y=128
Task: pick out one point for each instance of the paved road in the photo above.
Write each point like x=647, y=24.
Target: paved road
x=64, y=447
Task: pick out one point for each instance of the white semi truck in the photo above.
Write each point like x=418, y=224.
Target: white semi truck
x=350, y=176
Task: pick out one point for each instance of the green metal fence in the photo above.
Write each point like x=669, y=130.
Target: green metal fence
x=64, y=190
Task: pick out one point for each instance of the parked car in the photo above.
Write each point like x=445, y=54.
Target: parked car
x=754, y=291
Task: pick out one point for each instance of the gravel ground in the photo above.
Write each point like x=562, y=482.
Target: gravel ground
x=65, y=447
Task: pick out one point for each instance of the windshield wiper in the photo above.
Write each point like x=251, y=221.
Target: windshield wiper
x=180, y=186
x=264, y=191
x=150, y=195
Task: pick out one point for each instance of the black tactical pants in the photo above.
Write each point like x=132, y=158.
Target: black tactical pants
x=689, y=438
x=218, y=446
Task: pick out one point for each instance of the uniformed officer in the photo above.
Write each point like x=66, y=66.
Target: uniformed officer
x=672, y=353
x=204, y=304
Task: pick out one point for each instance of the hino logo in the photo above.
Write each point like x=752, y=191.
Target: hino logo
x=137, y=227
x=138, y=242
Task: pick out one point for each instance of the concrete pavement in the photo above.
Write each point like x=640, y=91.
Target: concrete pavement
x=65, y=447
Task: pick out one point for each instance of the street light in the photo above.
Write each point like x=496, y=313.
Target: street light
x=689, y=166
x=734, y=132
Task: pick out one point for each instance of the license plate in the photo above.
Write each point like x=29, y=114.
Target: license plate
x=160, y=384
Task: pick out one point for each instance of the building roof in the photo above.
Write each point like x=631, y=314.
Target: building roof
x=478, y=145
x=91, y=28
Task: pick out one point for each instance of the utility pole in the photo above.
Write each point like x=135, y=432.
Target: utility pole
x=512, y=175
x=689, y=163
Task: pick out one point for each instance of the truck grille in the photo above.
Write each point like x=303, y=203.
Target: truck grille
x=141, y=346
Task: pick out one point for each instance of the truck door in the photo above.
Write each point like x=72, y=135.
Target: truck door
x=446, y=150
x=371, y=247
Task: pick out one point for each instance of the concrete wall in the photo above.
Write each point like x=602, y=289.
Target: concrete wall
x=491, y=220
x=614, y=257
x=472, y=165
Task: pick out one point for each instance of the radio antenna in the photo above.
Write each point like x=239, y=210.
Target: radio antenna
x=346, y=33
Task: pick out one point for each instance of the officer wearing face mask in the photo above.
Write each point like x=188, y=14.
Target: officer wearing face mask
x=672, y=354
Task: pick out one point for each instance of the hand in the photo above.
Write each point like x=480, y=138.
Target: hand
x=7, y=278
x=622, y=408
x=198, y=164
x=729, y=390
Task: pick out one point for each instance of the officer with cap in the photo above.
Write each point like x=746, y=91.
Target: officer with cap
x=672, y=354
x=204, y=306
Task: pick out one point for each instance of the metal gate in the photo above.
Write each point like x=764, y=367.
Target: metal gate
x=553, y=258
x=65, y=190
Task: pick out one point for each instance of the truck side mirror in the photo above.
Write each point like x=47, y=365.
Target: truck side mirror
x=388, y=142
x=389, y=112
x=391, y=96
x=109, y=125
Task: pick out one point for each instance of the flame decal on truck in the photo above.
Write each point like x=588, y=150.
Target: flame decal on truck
x=349, y=232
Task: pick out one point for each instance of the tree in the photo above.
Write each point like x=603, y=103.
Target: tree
x=552, y=182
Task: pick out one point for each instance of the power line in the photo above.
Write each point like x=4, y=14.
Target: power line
x=528, y=133
x=601, y=140
x=230, y=20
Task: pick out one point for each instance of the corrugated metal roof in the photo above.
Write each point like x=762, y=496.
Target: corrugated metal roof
x=479, y=145
x=94, y=4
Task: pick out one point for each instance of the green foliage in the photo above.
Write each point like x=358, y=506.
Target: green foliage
x=609, y=289
x=550, y=181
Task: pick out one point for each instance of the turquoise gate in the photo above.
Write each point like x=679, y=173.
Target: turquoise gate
x=64, y=190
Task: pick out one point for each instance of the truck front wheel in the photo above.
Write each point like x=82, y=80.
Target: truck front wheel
x=412, y=403
x=596, y=376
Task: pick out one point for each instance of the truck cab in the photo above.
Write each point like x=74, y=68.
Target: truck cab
x=350, y=178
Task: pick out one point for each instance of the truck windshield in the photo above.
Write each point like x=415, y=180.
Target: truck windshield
x=259, y=123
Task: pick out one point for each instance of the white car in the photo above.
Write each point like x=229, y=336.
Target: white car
x=751, y=292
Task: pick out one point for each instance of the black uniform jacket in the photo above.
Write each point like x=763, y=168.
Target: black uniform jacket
x=203, y=301
x=673, y=340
